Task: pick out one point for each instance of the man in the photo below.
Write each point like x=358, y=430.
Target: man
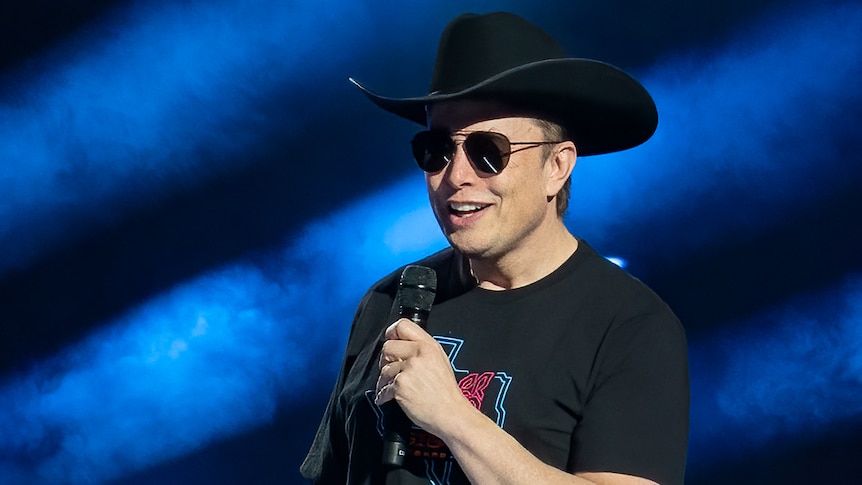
x=541, y=362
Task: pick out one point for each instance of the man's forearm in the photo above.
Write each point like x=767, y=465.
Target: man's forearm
x=488, y=455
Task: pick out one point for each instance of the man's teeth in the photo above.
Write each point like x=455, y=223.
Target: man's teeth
x=465, y=207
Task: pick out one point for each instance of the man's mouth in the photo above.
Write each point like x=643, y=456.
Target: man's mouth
x=465, y=209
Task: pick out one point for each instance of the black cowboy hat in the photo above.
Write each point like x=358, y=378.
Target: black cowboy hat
x=503, y=57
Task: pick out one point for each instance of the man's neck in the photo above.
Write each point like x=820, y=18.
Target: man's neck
x=528, y=264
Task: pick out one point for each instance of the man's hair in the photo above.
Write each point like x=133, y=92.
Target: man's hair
x=556, y=132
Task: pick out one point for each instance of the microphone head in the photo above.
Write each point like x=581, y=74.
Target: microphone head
x=417, y=288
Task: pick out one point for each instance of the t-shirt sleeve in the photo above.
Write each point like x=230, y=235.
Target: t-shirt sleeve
x=635, y=419
x=321, y=464
x=328, y=456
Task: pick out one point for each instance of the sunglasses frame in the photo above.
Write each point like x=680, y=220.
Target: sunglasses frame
x=475, y=145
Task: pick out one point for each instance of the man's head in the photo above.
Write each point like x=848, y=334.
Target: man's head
x=494, y=177
x=501, y=84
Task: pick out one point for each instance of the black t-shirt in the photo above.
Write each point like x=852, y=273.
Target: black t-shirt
x=586, y=368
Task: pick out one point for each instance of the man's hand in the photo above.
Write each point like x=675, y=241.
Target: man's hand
x=416, y=373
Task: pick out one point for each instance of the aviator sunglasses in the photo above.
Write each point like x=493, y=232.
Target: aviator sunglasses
x=487, y=151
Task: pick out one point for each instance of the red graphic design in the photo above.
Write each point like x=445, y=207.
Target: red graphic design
x=473, y=387
x=425, y=445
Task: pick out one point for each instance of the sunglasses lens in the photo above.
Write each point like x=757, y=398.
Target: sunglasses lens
x=432, y=150
x=488, y=151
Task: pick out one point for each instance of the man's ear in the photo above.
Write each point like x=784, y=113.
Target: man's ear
x=559, y=167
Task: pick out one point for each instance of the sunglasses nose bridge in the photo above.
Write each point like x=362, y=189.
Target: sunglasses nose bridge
x=460, y=161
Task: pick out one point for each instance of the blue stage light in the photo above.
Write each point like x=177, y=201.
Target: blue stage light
x=788, y=375
x=210, y=358
x=748, y=133
x=153, y=100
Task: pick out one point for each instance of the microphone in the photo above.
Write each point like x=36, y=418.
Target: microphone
x=414, y=299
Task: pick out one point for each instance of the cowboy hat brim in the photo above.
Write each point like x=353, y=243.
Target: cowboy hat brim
x=604, y=109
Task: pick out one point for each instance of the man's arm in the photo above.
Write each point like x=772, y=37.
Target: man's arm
x=416, y=372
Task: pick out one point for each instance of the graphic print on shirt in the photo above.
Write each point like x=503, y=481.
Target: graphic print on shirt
x=486, y=391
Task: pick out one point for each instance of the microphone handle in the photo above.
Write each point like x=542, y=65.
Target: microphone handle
x=397, y=425
x=416, y=315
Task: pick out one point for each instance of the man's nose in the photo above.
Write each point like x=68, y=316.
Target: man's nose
x=460, y=170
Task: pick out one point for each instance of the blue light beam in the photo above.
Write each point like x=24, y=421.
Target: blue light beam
x=748, y=132
x=787, y=375
x=209, y=358
x=153, y=100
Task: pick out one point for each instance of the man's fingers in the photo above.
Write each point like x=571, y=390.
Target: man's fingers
x=394, y=351
x=385, y=389
x=389, y=371
x=404, y=329
x=385, y=394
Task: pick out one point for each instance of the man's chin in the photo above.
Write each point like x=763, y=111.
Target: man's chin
x=470, y=248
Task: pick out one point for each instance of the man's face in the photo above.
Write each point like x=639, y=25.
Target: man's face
x=489, y=216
